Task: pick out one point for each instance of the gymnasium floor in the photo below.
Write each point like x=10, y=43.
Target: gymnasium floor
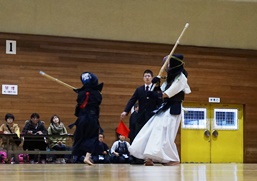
x=127, y=172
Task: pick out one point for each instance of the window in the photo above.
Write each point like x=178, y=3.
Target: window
x=194, y=118
x=226, y=119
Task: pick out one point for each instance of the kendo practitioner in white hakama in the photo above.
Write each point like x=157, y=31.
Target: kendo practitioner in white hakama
x=156, y=140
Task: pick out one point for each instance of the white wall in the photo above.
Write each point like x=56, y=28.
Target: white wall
x=213, y=23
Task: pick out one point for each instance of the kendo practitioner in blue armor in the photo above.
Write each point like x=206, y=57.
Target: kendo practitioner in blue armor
x=87, y=110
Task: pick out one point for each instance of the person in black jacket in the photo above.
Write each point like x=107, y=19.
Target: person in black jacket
x=146, y=107
x=35, y=127
x=87, y=110
x=146, y=104
x=101, y=152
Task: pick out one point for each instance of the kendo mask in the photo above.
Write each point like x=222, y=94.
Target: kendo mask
x=89, y=79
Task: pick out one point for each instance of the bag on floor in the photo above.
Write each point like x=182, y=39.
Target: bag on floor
x=23, y=158
x=3, y=157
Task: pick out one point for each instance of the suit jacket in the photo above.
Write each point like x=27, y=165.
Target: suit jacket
x=146, y=105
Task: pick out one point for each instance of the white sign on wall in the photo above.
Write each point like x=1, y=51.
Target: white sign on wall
x=10, y=47
x=9, y=89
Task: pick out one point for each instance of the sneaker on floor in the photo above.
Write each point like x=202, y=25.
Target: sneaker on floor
x=43, y=161
x=12, y=160
x=32, y=162
x=63, y=161
x=58, y=161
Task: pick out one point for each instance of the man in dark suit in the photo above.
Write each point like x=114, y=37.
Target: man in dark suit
x=146, y=104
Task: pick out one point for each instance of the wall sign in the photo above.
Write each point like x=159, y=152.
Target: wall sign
x=10, y=47
x=9, y=89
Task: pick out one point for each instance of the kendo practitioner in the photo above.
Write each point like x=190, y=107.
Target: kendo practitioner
x=87, y=110
x=156, y=140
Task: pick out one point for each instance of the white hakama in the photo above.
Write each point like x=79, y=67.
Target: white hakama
x=156, y=140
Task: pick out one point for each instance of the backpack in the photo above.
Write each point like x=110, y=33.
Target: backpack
x=23, y=158
x=3, y=157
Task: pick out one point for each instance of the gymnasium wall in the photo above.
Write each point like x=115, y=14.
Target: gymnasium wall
x=213, y=72
x=213, y=23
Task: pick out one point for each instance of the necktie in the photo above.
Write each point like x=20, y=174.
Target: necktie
x=147, y=88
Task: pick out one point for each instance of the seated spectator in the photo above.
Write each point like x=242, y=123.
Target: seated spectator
x=34, y=127
x=56, y=127
x=119, y=151
x=11, y=128
x=101, y=153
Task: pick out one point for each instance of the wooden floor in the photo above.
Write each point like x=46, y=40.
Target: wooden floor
x=126, y=172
